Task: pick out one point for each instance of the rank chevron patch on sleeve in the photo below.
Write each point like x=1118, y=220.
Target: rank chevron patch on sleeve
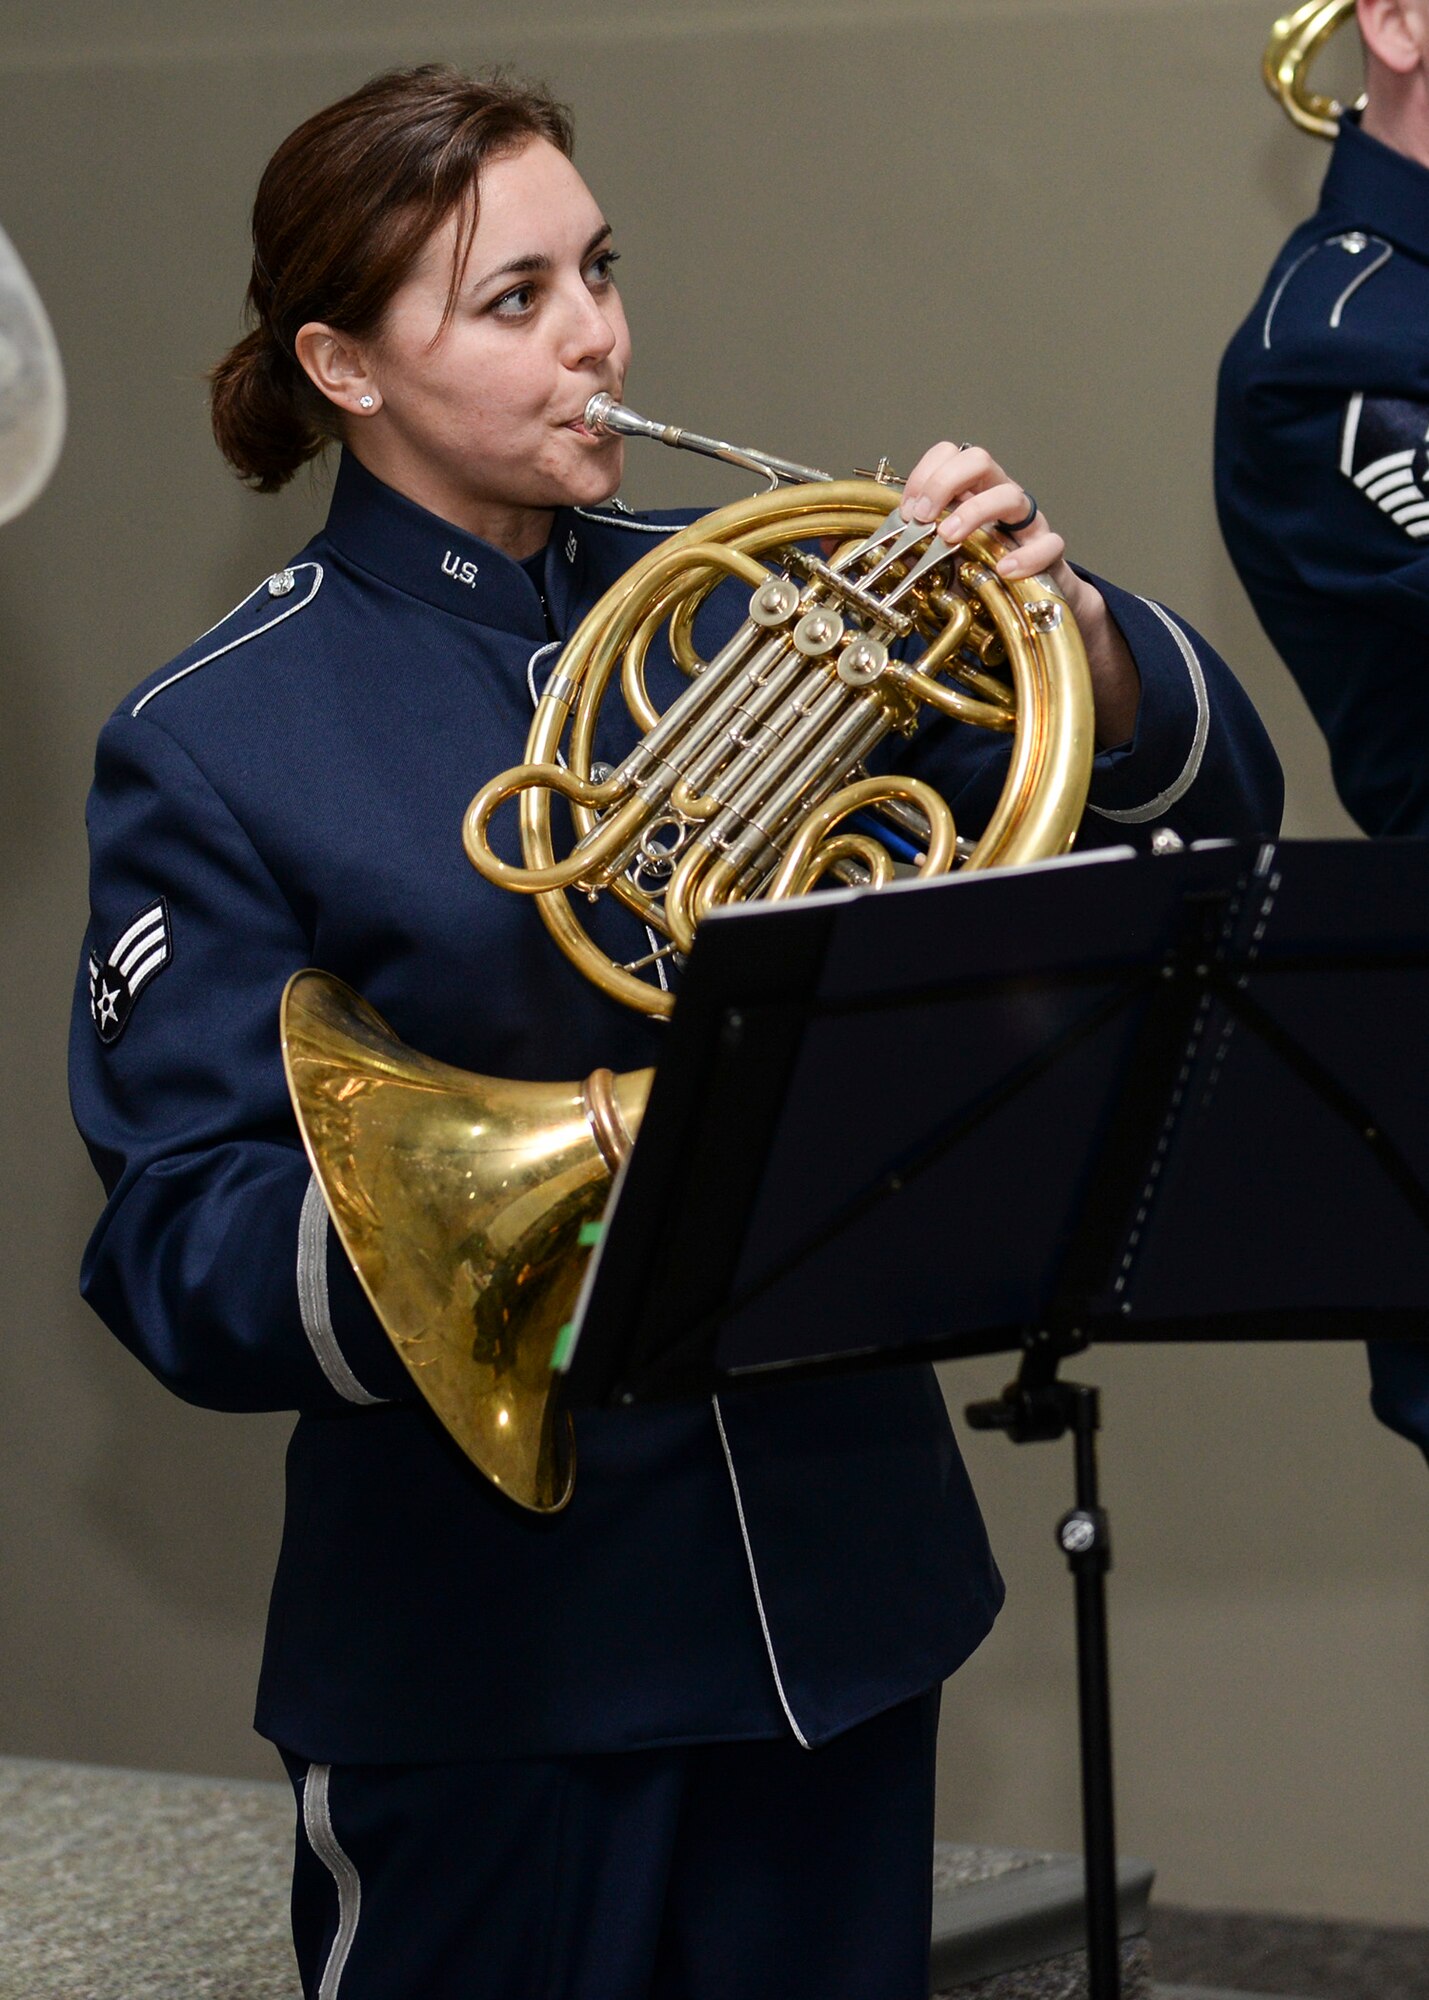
x=1384, y=449
x=116, y=981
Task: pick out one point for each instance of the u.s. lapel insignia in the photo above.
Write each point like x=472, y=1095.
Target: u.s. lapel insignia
x=117, y=980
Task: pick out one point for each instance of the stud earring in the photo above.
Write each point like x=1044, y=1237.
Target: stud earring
x=366, y=402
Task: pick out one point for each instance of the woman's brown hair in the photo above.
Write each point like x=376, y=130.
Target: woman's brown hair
x=342, y=212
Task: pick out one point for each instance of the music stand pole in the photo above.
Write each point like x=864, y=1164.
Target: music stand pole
x=1038, y=1408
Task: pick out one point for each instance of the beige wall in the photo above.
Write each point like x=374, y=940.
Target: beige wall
x=847, y=227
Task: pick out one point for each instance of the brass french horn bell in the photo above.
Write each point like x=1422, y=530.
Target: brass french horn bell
x=464, y=1202
x=461, y=1202
x=1295, y=41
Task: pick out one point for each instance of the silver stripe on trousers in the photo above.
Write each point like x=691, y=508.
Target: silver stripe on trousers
x=317, y=1825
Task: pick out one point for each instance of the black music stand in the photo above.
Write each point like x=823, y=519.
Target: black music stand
x=1124, y=1097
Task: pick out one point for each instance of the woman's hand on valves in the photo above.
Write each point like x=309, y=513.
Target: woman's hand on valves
x=962, y=488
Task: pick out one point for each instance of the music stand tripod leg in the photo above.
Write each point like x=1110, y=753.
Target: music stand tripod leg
x=1037, y=1408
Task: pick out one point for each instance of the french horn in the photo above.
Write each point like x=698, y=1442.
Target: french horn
x=754, y=783
x=466, y=1204
x=1295, y=41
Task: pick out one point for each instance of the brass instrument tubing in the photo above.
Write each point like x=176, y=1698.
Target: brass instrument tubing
x=948, y=701
x=718, y=756
x=908, y=819
x=859, y=847
x=682, y=634
x=805, y=849
x=700, y=701
x=603, y=413
x=632, y=678
x=863, y=730
x=707, y=749
x=817, y=764
x=860, y=732
x=752, y=779
x=648, y=771
x=672, y=760
x=709, y=737
x=589, y=661
x=602, y=1107
x=1048, y=665
x=1295, y=41
x=679, y=924
x=940, y=651
x=1052, y=751
x=724, y=755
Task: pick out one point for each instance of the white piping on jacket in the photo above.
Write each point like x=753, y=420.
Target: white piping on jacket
x=1303, y=258
x=243, y=637
x=799, y=1735
x=627, y=521
x=1386, y=252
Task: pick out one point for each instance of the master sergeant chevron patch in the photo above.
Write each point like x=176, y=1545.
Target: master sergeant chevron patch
x=1384, y=449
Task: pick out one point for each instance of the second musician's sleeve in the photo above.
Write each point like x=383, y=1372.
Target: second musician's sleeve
x=213, y=1260
x=1399, y=1388
x=1199, y=760
x=1323, y=498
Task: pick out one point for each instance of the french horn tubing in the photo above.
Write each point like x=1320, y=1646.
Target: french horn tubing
x=1295, y=41
x=467, y=1204
x=754, y=783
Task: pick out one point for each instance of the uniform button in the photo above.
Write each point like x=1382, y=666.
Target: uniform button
x=281, y=583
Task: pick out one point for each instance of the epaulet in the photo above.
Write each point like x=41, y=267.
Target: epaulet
x=1318, y=284
x=654, y=521
x=279, y=597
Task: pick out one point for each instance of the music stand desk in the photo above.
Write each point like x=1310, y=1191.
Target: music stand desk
x=1111, y=1097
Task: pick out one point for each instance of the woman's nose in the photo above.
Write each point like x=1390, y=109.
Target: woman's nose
x=591, y=334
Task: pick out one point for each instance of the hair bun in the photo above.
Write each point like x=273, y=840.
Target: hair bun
x=260, y=404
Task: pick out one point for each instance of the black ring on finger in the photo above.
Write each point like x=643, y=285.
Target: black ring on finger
x=1016, y=527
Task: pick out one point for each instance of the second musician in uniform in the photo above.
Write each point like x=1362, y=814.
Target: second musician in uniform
x=1322, y=477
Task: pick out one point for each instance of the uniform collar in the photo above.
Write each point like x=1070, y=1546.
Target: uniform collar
x=1378, y=188
x=391, y=537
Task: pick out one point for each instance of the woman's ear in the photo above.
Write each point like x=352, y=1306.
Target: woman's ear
x=336, y=366
x=1395, y=33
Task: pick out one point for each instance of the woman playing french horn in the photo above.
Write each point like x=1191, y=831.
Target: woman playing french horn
x=678, y=1739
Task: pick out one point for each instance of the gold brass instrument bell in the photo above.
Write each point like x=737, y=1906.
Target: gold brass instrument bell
x=461, y=1201
x=464, y=1202
x=1295, y=41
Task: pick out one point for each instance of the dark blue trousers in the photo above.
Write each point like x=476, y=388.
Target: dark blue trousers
x=742, y=1871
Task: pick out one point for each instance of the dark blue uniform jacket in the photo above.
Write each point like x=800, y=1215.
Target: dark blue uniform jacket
x=1322, y=473
x=289, y=792
x=1322, y=484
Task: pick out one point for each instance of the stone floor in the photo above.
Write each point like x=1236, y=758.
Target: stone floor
x=1310, y=1958
x=120, y=1885
x=1063, y=1978
x=123, y=1885
x=1006, y=1926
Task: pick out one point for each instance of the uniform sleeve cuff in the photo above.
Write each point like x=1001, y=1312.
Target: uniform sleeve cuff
x=346, y=1337
x=1139, y=783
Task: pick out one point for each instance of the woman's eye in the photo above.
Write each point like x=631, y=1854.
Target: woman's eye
x=512, y=304
x=601, y=269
